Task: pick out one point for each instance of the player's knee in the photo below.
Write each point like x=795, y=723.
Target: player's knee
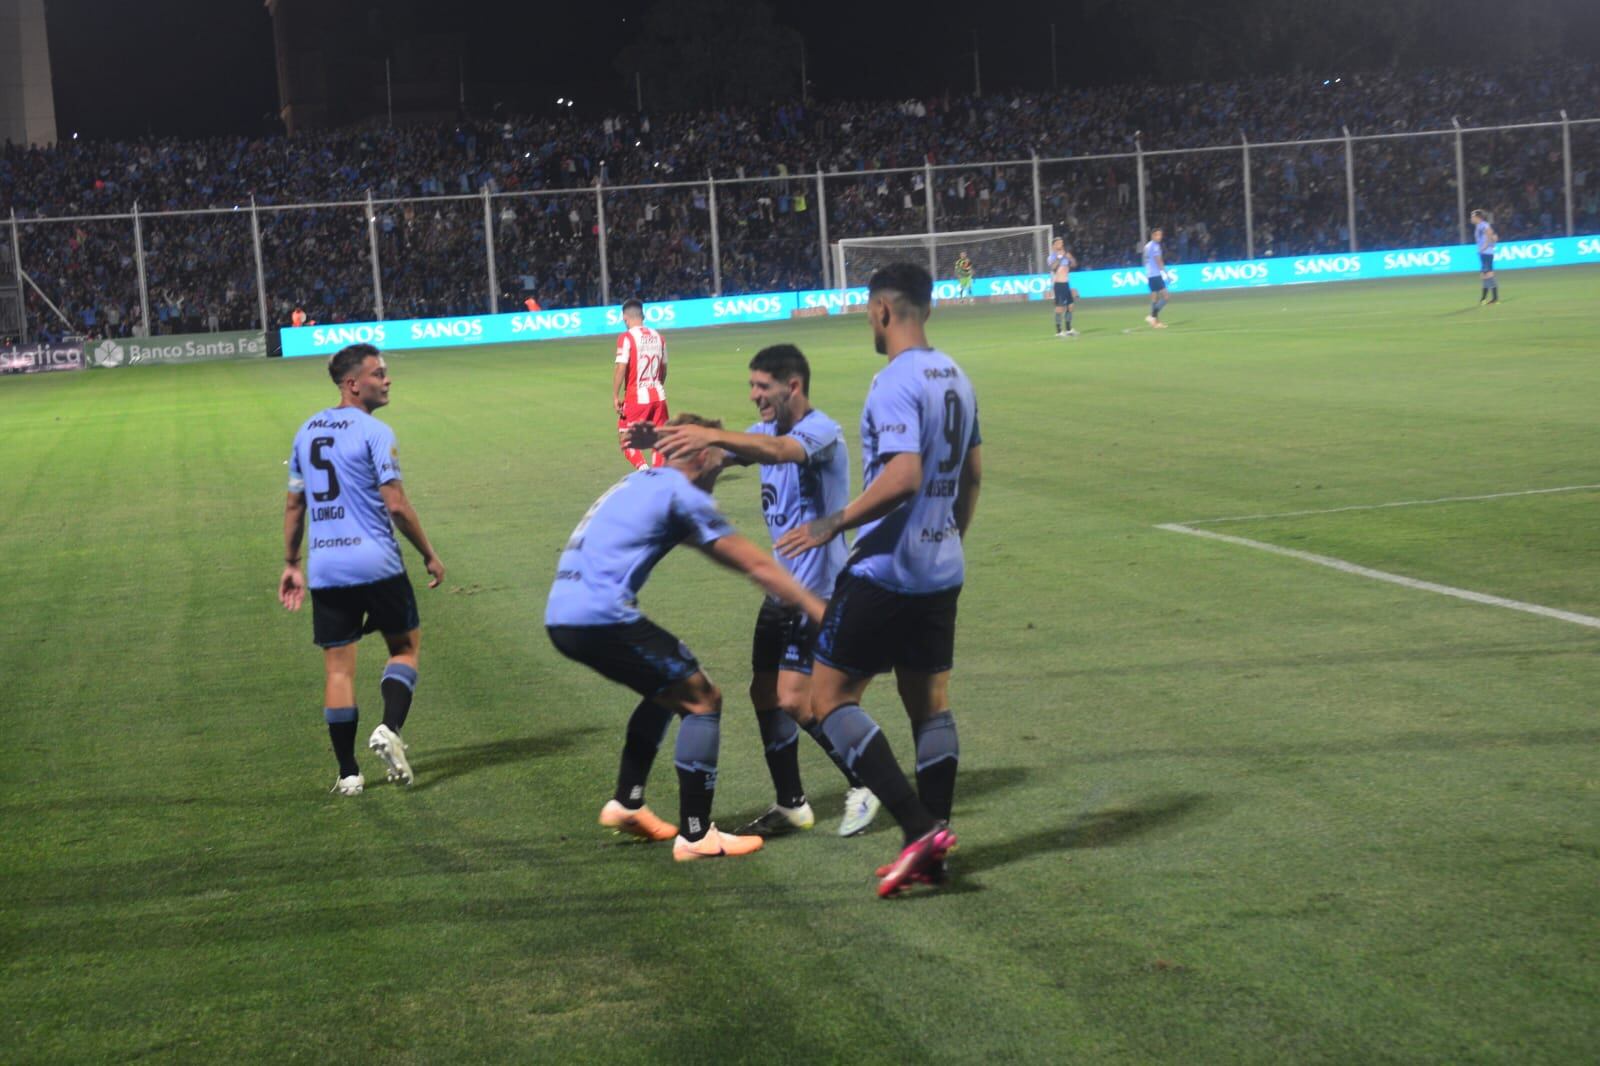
x=798, y=709
x=707, y=700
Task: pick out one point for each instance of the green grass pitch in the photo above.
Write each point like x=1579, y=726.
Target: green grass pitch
x=1216, y=805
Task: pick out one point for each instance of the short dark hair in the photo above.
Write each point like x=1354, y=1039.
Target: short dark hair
x=347, y=361
x=911, y=284
x=633, y=303
x=784, y=362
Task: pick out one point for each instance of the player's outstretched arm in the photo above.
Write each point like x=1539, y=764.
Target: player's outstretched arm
x=405, y=519
x=673, y=441
x=967, y=489
x=900, y=479
x=737, y=553
x=292, y=583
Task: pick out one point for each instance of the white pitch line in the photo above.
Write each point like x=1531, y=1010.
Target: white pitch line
x=1383, y=506
x=1393, y=579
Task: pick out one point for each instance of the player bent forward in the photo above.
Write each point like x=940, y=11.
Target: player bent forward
x=347, y=460
x=593, y=617
x=805, y=474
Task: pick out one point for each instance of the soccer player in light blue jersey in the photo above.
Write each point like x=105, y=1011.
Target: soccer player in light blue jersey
x=1061, y=263
x=805, y=474
x=1488, y=240
x=347, y=462
x=1155, y=262
x=895, y=605
x=593, y=617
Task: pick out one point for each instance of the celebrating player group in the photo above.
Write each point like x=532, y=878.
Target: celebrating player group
x=833, y=616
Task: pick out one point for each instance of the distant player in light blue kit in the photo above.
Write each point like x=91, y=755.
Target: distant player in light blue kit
x=1061, y=263
x=894, y=607
x=805, y=474
x=1155, y=262
x=347, y=462
x=1488, y=240
x=593, y=617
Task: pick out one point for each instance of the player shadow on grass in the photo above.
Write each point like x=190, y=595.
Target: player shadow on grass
x=1108, y=827
x=433, y=767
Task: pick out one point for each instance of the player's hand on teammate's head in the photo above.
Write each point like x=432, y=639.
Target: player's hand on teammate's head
x=292, y=588
x=638, y=435
x=435, y=571
x=675, y=441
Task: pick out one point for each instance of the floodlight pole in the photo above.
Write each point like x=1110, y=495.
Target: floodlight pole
x=1249, y=204
x=1138, y=152
x=716, y=245
x=1350, y=187
x=1461, y=185
x=488, y=250
x=600, y=234
x=377, y=274
x=1038, y=202
x=138, y=259
x=16, y=263
x=261, y=273
x=822, y=226
x=1566, y=164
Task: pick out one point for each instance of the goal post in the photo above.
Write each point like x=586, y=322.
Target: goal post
x=993, y=252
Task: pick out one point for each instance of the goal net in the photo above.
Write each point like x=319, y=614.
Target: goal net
x=993, y=252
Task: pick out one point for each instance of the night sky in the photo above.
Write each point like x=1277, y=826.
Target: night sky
x=126, y=69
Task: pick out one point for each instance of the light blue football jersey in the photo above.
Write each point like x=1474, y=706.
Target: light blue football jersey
x=1152, y=259
x=1486, y=244
x=793, y=494
x=621, y=538
x=921, y=402
x=341, y=455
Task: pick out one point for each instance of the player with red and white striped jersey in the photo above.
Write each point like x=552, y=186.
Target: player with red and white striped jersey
x=639, y=380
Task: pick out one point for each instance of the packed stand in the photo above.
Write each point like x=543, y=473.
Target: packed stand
x=427, y=184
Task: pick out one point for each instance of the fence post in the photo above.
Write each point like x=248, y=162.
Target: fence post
x=261, y=274
x=1138, y=154
x=377, y=273
x=22, y=293
x=488, y=251
x=927, y=196
x=138, y=261
x=1038, y=202
x=1249, y=204
x=1461, y=186
x=1350, y=187
x=822, y=227
x=1566, y=164
x=600, y=234
x=716, y=244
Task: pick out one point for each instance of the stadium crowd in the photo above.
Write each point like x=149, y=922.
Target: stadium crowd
x=429, y=219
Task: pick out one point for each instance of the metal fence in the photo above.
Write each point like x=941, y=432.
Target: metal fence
x=250, y=265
